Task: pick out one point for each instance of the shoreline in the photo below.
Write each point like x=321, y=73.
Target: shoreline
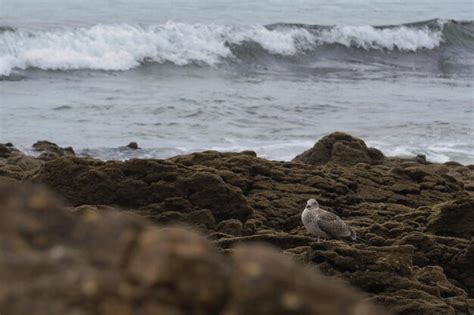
x=416, y=217
x=139, y=152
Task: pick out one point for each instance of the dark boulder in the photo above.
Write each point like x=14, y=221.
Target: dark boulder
x=50, y=151
x=463, y=264
x=5, y=151
x=16, y=165
x=340, y=148
x=133, y=146
x=453, y=218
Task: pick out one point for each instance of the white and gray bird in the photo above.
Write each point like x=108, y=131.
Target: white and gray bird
x=325, y=224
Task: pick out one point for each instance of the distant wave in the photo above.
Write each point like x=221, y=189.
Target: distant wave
x=123, y=46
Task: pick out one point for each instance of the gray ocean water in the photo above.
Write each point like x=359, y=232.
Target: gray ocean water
x=270, y=75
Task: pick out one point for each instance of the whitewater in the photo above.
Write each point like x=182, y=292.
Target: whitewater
x=123, y=47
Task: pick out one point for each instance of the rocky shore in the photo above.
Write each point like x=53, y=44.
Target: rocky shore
x=84, y=236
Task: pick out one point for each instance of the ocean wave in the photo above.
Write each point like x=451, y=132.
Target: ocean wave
x=123, y=46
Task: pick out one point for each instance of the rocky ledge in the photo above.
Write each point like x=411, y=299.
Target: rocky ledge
x=104, y=248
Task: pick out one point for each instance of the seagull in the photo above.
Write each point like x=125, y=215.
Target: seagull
x=325, y=224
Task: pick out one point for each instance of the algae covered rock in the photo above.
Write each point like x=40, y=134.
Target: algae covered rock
x=50, y=151
x=16, y=165
x=453, y=218
x=462, y=263
x=340, y=148
x=138, y=183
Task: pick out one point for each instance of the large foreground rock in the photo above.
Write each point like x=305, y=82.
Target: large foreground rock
x=56, y=262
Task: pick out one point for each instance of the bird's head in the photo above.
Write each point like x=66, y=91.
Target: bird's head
x=312, y=204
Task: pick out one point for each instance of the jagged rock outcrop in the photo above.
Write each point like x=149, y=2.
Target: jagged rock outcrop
x=453, y=218
x=15, y=165
x=133, y=145
x=50, y=151
x=340, y=148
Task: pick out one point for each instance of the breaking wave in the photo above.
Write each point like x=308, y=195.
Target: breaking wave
x=123, y=46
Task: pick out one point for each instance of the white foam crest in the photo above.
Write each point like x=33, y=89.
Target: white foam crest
x=368, y=37
x=434, y=153
x=122, y=47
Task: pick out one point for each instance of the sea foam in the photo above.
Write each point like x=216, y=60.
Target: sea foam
x=123, y=46
x=368, y=37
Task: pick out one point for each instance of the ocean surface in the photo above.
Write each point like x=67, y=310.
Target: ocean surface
x=271, y=76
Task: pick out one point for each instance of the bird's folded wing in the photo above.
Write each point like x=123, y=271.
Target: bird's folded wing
x=332, y=225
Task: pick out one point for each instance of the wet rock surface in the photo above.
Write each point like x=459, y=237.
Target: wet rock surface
x=414, y=219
